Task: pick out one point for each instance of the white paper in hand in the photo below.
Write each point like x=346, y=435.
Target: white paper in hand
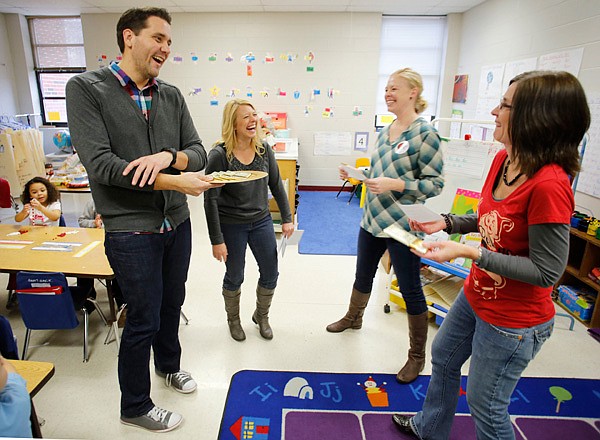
x=355, y=173
x=420, y=213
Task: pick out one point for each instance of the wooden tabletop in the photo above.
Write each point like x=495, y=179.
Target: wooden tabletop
x=82, y=251
x=36, y=374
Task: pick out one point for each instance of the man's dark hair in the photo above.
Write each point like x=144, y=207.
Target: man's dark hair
x=135, y=19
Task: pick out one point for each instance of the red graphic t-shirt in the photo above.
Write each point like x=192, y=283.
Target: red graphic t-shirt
x=544, y=198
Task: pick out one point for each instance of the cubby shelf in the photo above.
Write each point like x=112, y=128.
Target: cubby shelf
x=584, y=255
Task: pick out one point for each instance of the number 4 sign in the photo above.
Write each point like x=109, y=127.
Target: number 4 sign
x=361, y=141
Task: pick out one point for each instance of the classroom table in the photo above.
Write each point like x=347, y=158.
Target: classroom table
x=76, y=252
x=36, y=374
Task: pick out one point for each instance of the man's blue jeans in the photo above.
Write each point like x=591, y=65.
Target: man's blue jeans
x=260, y=236
x=151, y=270
x=407, y=267
x=498, y=357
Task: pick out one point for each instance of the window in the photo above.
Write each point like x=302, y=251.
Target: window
x=57, y=44
x=415, y=42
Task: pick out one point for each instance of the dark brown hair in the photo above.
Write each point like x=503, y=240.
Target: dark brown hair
x=53, y=194
x=135, y=19
x=548, y=119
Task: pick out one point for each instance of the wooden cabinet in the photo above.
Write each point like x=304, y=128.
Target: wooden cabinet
x=287, y=169
x=584, y=255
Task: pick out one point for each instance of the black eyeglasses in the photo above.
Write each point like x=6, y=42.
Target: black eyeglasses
x=504, y=105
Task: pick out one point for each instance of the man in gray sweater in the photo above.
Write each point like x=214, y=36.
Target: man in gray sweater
x=135, y=136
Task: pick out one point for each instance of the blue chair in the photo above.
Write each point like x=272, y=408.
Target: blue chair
x=47, y=302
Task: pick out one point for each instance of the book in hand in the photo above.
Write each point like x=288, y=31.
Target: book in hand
x=406, y=238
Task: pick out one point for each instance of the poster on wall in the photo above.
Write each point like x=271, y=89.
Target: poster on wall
x=588, y=180
x=333, y=143
x=569, y=60
x=459, y=93
x=490, y=91
x=513, y=68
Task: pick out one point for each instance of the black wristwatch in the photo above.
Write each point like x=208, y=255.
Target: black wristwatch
x=173, y=151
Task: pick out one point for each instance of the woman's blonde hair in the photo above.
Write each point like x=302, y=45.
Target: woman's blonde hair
x=228, y=134
x=415, y=81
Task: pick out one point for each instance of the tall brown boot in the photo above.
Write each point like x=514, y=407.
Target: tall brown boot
x=232, y=307
x=417, y=329
x=356, y=310
x=261, y=314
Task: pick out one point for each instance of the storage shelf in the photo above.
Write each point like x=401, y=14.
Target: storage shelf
x=584, y=255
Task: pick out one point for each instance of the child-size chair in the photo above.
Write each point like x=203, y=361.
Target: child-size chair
x=361, y=162
x=47, y=302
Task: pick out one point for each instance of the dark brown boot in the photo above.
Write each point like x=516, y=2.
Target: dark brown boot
x=353, y=318
x=417, y=329
x=261, y=314
x=232, y=307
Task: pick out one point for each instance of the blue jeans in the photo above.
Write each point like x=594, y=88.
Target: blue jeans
x=407, y=267
x=151, y=270
x=260, y=236
x=498, y=357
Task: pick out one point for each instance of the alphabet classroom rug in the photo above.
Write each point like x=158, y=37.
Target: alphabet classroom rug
x=294, y=405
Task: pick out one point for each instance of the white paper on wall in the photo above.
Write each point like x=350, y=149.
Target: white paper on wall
x=333, y=143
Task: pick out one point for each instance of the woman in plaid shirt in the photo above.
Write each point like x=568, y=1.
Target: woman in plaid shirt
x=406, y=168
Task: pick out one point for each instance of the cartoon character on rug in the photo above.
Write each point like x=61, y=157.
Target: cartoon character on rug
x=377, y=395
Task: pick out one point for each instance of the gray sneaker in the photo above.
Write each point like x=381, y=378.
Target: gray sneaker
x=155, y=420
x=181, y=381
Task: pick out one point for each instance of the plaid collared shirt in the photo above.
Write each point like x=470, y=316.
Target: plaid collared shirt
x=143, y=97
x=415, y=157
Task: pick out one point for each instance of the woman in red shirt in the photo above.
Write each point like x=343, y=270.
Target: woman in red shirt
x=505, y=311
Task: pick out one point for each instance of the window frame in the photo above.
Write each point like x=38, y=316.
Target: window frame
x=40, y=71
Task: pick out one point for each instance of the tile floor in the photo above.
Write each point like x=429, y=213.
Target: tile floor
x=81, y=401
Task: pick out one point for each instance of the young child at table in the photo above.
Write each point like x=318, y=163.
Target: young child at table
x=15, y=404
x=41, y=202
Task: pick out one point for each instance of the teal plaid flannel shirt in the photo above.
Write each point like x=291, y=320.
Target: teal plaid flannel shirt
x=420, y=167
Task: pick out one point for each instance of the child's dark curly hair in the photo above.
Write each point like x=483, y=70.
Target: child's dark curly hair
x=53, y=194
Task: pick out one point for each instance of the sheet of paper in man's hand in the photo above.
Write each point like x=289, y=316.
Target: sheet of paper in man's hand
x=420, y=213
x=355, y=173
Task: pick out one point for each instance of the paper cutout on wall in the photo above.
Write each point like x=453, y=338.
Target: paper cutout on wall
x=296, y=94
x=249, y=70
x=327, y=112
x=289, y=57
x=357, y=111
x=229, y=58
x=307, y=110
x=212, y=57
x=232, y=93
x=177, y=59
x=119, y=57
x=269, y=58
x=249, y=91
x=314, y=93
x=194, y=57
x=248, y=58
x=332, y=92
x=102, y=60
x=195, y=91
x=264, y=92
x=214, y=102
x=281, y=92
x=214, y=91
x=310, y=56
x=310, y=69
